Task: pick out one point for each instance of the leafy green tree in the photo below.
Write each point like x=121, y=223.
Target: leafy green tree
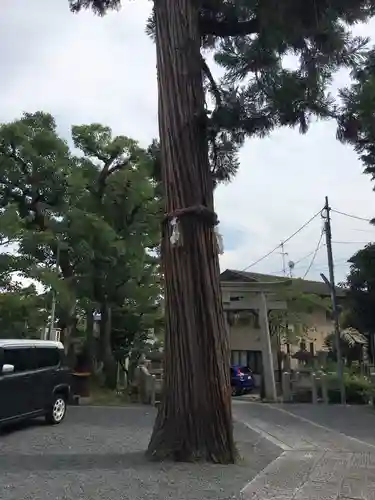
x=23, y=313
x=199, y=143
x=296, y=315
x=35, y=190
x=356, y=121
x=360, y=293
x=84, y=226
x=121, y=230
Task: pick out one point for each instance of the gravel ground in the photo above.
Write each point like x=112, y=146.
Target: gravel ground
x=98, y=454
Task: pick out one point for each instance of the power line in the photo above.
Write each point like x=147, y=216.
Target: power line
x=323, y=245
x=314, y=256
x=337, y=264
x=308, y=255
x=351, y=242
x=341, y=261
x=350, y=215
x=316, y=266
x=299, y=261
x=284, y=241
x=364, y=230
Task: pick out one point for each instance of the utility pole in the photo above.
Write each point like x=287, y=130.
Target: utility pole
x=283, y=255
x=278, y=335
x=335, y=312
x=53, y=305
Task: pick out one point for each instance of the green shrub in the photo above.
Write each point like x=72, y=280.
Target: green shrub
x=359, y=389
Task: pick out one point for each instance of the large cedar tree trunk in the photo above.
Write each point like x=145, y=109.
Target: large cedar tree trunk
x=109, y=362
x=90, y=340
x=194, y=419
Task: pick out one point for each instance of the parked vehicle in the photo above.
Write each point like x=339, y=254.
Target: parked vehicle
x=242, y=380
x=34, y=380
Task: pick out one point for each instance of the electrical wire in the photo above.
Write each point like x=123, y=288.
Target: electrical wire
x=351, y=242
x=343, y=262
x=308, y=255
x=364, y=230
x=298, y=261
x=323, y=268
x=314, y=256
x=283, y=243
x=350, y=215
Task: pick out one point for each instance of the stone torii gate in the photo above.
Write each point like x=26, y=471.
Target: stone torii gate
x=262, y=297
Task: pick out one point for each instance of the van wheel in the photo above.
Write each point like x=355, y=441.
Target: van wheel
x=57, y=412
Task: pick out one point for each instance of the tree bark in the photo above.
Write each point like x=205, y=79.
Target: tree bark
x=194, y=419
x=109, y=362
x=90, y=340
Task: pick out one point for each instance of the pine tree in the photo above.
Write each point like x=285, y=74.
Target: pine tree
x=199, y=145
x=356, y=118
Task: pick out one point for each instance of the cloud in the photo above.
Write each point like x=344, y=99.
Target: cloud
x=81, y=68
x=282, y=183
x=233, y=236
x=86, y=69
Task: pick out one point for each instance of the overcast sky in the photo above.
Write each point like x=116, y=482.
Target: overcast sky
x=84, y=69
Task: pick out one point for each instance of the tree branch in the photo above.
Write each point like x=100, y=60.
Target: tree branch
x=228, y=28
x=20, y=161
x=131, y=217
x=214, y=88
x=109, y=168
x=119, y=166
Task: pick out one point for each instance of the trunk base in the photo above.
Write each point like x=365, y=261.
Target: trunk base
x=110, y=375
x=169, y=444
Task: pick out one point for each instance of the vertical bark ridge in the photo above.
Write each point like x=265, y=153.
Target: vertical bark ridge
x=194, y=419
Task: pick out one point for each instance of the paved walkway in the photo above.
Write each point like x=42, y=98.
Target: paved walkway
x=317, y=462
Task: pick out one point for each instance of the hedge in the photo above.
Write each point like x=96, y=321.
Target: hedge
x=359, y=390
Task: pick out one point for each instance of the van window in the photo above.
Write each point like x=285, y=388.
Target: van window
x=63, y=358
x=20, y=357
x=47, y=357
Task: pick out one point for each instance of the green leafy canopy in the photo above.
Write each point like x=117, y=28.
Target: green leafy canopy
x=82, y=225
x=278, y=57
x=360, y=290
x=356, y=120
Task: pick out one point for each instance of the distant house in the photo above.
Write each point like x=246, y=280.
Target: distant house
x=243, y=323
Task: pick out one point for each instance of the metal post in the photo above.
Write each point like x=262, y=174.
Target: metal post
x=335, y=311
x=324, y=382
x=267, y=356
x=314, y=389
x=287, y=393
x=283, y=254
x=53, y=305
x=153, y=390
x=372, y=379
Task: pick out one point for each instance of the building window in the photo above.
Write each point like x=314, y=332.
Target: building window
x=252, y=359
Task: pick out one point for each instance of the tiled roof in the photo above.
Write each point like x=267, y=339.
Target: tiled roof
x=305, y=286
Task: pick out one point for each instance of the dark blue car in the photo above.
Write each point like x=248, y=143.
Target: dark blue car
x=242, y=380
